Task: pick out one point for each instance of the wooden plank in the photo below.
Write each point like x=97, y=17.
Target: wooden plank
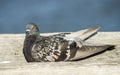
x=12, y=61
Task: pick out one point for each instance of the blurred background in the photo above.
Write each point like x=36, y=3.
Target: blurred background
x=59, y=15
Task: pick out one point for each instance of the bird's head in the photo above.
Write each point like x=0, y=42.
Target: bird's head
x=32, y=29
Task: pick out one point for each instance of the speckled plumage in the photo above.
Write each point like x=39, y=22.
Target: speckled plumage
x=47, y=48
x=58, y=47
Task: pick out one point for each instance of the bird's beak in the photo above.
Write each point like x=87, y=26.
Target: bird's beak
x=27, y=31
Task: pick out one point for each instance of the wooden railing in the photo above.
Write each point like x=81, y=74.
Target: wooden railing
x=12, y=61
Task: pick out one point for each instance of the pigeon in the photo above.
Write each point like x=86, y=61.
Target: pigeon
x=59, y=47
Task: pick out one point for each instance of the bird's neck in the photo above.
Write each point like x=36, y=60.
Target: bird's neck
x=28, y=43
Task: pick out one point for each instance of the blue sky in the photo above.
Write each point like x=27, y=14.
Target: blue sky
x=59, y=15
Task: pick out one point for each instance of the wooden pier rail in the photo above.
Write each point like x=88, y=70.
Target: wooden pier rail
x=12, y=61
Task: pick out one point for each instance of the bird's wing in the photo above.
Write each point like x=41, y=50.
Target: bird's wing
x=83, y=34
x=49, y=49
x=61, y=34
x=87, y=51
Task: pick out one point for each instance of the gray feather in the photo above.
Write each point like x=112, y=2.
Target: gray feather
x=83, y=34
x=87, y=50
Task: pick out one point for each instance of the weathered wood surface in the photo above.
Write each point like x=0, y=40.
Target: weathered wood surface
x=12, y=61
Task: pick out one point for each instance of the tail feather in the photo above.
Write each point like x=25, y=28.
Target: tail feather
x=84, y=34
x=86, y=51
